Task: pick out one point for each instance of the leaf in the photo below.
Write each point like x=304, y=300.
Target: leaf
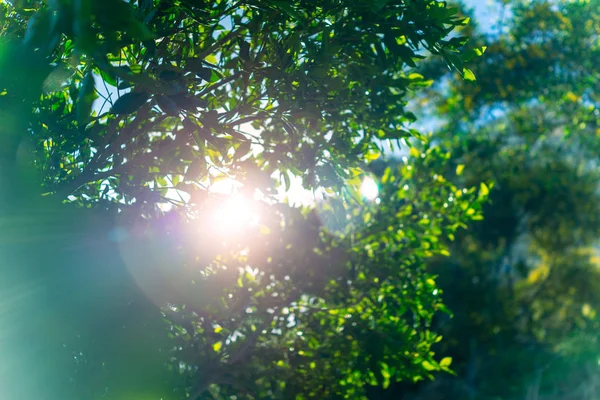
x=428, y=366
x=572, y=97
x=38, y=28
x=188, y=102
x=445, y=362
x=217, y=346
x=58, y=78
x=287, y=9
x=483, y=190
x=471, y=54
x=468, y=74
x=211, y=59
x=244, y=50
x=196, y=169
x=458, y=41
x=455, y=61
x=108, y=78
x=377, y=5
x=243, y=149
x=167, y=105
x=204, y=73
x=286, y=180
x=129, y=103
x=214, y=76
x=197, y=66
x=372, y=155
x=168, y=75
x=385, y=373
x=85, y=99
x=459, y=169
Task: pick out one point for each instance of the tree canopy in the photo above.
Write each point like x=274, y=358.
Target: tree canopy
x=119, y=120
x=195, y=88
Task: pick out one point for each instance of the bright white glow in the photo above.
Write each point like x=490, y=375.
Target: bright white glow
x=369, y=189
x=297, y=195
x=165, y=207
x=225, y=186
x=234, y=214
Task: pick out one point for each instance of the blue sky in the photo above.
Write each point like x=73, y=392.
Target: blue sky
x=487, y=13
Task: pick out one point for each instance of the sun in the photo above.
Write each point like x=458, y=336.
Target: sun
x=234, y=211
x=234, y=214
x=369, y=189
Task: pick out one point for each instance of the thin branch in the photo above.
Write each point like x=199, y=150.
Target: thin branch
x=227, y=38
x=257, y=117
x=91, y=176
x=221, y=83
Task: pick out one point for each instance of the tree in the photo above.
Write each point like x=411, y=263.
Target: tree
x=523, y=282
x=127, y=106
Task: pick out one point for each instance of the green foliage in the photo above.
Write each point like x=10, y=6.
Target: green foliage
x=353, y=311
x=132, y=105
x=296, y=72
x=522, y=283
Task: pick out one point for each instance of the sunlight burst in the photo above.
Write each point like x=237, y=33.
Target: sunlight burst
x=234, y=214
x=369, y=189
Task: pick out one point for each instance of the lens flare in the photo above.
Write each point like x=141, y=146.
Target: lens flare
x=234, y=214
x=369, y=189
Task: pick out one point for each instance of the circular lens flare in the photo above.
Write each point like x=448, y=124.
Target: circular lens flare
x=369, y=189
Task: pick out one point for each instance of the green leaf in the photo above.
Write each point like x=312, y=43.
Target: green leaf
x=129, y=103
x=483, y=190
x=196, y=170
x=445, y=362
x=372, y=155
x=286, y=8
x=377, y=5
x=468, y=74
x=198, y=67
x=204, y=73
x=38, y=28
x=428, y=366
x=85, y=99
x=244, y=50
x=243, y=149
x=167, y=105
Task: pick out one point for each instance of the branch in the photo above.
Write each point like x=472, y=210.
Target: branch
x=219, y=84
x=140, y=80
x=91, y=176
x=230, y=36
x=257, y=117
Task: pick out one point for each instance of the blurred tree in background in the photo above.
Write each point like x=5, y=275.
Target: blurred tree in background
x=523, y=282
x=126, y=275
